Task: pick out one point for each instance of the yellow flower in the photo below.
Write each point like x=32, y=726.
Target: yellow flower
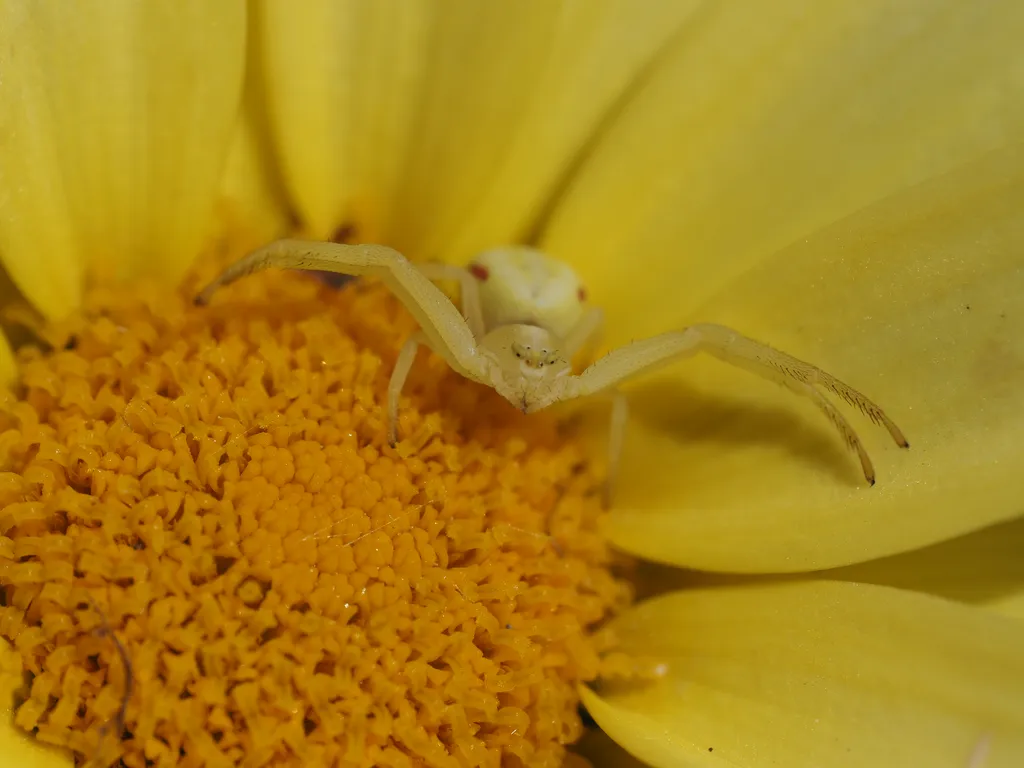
x=843, y=180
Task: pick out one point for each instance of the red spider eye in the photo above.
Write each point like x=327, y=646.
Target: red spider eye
x=582, y=293
x=479, y=271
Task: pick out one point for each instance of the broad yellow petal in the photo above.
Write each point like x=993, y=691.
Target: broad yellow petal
x=817, y=673
x=442, y=128
x=252, y=207
x=1009, y=604
x=341, y=79
x=984, y=568
x=514, y=94
x=115, y=119
x=917, y=302
x=769, y=120
x=17, y=747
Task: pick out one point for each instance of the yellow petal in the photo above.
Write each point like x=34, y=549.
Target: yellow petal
x=115, y=118
x=916, y=301
x=252, y=207
x=17, y=747
x=341, y=79
x=811, y=674
x=1009, y=604
x=984, y=568
x=442, y=128
x=770, y=120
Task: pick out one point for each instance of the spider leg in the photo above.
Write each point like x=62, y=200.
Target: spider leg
x=616, y=437
x=406, y=357
x=838, y=421
x=731, y=347
x=584, y=333
x=444, y=328
x=469, y=290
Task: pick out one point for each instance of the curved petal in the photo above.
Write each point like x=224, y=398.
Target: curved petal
x=1009, y=604
x=340, y=81
x=17, y=747
x=816, y=673
x=252, y=208
x=115, y=119
x=984, y=568
x=917, y=301
x=767, y=121
x=467, y=119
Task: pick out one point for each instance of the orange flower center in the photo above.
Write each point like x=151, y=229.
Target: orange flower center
x=209, y=554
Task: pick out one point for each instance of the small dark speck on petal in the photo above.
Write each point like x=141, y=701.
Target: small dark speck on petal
x=71, y=343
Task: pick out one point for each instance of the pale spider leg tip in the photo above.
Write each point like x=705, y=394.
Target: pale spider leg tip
x=869, y=470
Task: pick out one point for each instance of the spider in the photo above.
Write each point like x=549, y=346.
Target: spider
x=523, y=318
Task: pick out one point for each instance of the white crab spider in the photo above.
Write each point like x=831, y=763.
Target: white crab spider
x=523, y=318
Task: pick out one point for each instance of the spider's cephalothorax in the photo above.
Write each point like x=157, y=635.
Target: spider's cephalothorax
x=531, y=305
x=524, y=317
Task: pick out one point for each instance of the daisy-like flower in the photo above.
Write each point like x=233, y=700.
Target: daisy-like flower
x=208, y=553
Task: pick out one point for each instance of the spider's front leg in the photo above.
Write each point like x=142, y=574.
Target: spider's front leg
x=403, y=364
x=731, y=347
x=469, y=292
x=442, y=327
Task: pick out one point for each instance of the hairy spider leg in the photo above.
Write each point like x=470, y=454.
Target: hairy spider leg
x=403, y=364
x=731, y=347
x=469, y=298
x=444, y=327
x=616, y=438
x=469, y=292
x=582, y=335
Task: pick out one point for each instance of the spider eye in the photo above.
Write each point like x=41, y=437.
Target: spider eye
x=479, y=271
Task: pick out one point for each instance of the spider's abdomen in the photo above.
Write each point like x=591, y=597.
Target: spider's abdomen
x=521, y=285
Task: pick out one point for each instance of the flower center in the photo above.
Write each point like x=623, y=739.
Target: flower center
x=209, y=552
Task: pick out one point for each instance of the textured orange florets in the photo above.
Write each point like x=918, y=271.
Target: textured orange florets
x=200, y=511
